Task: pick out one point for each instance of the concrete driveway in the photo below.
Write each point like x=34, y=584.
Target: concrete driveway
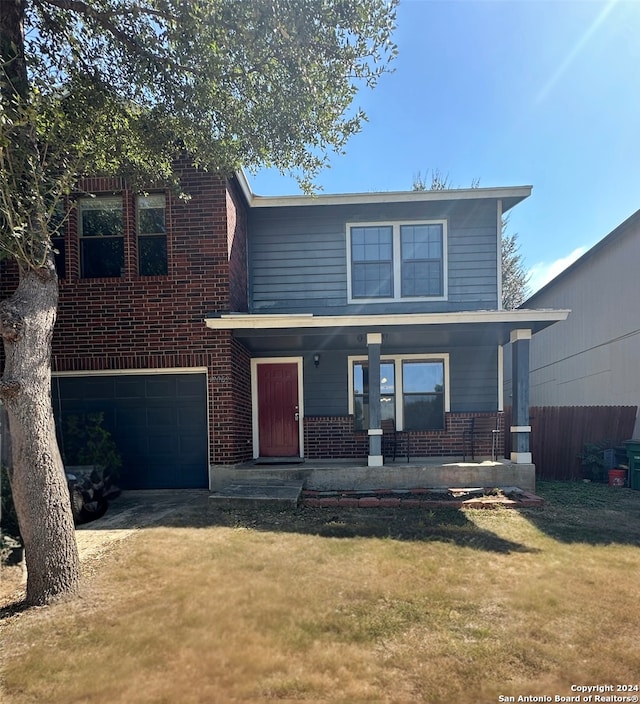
x=133, y=510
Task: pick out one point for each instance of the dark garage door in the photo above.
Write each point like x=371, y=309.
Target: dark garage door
x=158, y=422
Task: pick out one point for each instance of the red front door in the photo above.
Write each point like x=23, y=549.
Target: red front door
x=278, y=411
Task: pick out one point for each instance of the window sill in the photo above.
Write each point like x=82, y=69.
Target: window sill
x=412, y=299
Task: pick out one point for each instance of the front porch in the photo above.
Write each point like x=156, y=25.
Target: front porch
x=345, y=475
x=321, y=386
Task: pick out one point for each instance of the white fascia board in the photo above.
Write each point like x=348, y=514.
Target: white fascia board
x=243, y=182
x=518, y=193
x=508, y=192
x=247, y=321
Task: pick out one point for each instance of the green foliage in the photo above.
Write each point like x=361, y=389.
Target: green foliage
x=592, y=459
x=515, y=277
x=87, y=442
x=129, y=88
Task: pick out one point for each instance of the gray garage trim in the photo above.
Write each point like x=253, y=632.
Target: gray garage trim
x=158, y=421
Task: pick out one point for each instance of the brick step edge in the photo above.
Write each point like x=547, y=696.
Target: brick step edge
x=526, y=500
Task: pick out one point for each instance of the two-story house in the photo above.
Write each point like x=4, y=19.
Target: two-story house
x=233, y=327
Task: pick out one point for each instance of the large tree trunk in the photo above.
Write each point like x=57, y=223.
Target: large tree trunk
x=38, y=481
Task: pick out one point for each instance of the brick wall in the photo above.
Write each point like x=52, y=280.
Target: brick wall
x=230, y=401
x=135, y=314
x=237, y=250
x=335, y=437
x=147, y=322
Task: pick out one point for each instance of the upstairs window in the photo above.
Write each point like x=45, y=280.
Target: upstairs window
x=422, y=260
x=152, y=236
x=372, y=262
x=397, y=261
x=101, y=230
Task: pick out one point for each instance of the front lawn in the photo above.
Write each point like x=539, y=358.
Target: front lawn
x=347, y=605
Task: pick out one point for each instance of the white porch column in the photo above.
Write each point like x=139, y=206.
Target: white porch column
x=520, y=429
x=375, y=459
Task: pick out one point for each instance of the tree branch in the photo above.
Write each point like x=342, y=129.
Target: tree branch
x=104, y=19
x=83, y=8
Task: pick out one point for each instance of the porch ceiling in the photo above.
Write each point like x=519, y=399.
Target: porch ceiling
x=405, y=332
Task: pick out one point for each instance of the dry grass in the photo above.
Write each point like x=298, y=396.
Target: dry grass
x=352, y=605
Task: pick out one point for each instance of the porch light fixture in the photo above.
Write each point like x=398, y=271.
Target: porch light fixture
x=316, y=359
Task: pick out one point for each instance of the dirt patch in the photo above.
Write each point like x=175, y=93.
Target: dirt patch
x=511, y=497
x=12, y=582
x=126, y=514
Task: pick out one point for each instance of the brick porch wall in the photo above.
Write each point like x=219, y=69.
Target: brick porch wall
x=334, y=437
x=450, y=441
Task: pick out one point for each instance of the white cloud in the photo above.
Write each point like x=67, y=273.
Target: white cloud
x=541, y=273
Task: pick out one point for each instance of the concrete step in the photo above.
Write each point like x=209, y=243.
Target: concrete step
x=264, y=475
x=265, y=492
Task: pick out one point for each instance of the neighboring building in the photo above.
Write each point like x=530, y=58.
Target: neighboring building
x=593, y=358
x=233, y=326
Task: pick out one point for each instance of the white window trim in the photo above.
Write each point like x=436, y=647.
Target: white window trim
x=155, y=201
x=397, y=359
x=101, y=203
x=151, y=201
x=397, y=261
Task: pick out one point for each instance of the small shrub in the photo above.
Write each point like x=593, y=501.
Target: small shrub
x=592, y=459
x=87, y=442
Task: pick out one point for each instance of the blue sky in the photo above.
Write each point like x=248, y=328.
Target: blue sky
x=511, y=92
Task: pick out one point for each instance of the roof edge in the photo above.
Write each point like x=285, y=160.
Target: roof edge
x=228, y=321
x=617, y=232
x=511, y=194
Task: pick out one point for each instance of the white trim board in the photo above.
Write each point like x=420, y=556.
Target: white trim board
x=250, y=321
x=130, y=372
x=397, y=360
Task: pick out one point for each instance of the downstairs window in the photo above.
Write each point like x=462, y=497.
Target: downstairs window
x=413, y=391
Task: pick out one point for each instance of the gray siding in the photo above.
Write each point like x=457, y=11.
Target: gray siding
x=326, y=390
x=474, y=379
x=298, y=266
x=593, y=357
x=298, y=258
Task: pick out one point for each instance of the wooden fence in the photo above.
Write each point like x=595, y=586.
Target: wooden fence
x=558, y=434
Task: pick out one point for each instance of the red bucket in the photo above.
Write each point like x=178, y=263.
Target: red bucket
x=617, y=477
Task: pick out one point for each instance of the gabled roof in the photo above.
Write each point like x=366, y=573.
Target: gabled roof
x=509, y=195
x=615, y=235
